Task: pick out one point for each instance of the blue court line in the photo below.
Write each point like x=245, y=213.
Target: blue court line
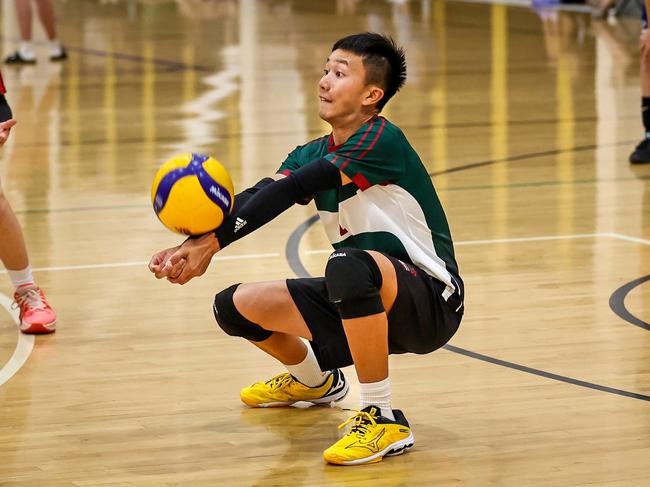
x=293, y=259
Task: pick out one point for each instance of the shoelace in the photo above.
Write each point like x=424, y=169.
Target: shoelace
x=280, y=380
x=31, y=298
x=362, y=422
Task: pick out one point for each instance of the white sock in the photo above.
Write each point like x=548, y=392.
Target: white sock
x=55, y=47
x=377, y=394
x=26, y=50
x=22, y=277
x=308, y=371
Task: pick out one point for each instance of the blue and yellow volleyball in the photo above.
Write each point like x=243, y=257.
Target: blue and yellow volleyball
x=192, y=194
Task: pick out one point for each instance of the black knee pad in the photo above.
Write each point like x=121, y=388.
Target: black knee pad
x=353, y=283
x=231, y=320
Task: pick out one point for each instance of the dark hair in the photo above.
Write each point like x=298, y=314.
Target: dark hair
x=383, y=59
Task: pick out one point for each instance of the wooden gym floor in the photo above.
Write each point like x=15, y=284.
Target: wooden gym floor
x=525, y=120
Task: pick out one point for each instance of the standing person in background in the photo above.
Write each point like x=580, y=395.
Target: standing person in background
x=641, y=154
x=25, y=53
x=36, y=315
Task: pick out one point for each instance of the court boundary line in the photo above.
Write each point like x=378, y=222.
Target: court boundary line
x=116, y=265
x=168, y=64
x=543, y=373
x=293, y=258
x=540, y=238
x=24, y=345
x=305, y=225
x=527, y=156
x=617, y=302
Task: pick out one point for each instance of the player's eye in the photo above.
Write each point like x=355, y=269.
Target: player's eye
x=339, y=74
x=326, y=71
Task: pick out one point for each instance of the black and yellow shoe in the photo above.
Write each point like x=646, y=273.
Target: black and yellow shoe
x=371, y=438
x=285, y=390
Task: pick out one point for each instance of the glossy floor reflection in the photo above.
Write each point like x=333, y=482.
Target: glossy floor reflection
x=524, y=118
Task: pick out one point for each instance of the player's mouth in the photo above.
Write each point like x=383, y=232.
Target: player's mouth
x=325, y=100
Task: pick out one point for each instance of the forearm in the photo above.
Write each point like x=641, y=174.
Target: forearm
x=275, y=197
x=247, y=194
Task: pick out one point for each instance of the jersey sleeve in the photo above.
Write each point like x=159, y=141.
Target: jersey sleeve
x=373, y=155
x=291, y=163
x=3, y=90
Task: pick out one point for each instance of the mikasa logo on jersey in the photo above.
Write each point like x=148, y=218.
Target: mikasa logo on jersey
x=215, y=190
x=337, y=254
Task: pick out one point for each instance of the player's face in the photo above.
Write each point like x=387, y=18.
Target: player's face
x=342, y=89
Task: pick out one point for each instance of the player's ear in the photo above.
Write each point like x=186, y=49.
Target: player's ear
x=373, y=94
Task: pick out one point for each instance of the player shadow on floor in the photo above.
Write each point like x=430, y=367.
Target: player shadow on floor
x=305, y=432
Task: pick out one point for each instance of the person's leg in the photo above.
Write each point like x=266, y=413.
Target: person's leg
x=266, y=315
x=47, y=17
x=25, y=53
x=24, y=16
x=271, y=305
x=645, y=86
x=368, y=340
x=363, y=285
x=13, y=252
x=641, y=153
x=36, y=315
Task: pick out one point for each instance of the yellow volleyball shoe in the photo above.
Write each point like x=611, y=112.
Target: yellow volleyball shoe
x=285, y=390
x=371, y=438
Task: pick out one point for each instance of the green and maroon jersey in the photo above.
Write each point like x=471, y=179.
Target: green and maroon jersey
x=391, y=205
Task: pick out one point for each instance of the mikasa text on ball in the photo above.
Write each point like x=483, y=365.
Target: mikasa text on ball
x=192, y=193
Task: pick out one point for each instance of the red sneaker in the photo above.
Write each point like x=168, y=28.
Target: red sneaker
x=36, y=315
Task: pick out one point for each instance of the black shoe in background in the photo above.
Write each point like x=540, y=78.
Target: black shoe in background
x=62, y=56
x=16, y=58
x=641, y=154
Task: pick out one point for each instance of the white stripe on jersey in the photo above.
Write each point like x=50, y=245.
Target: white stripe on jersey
x=389, y=209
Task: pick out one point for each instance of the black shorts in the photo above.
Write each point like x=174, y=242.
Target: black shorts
x=420, y=320
x=5, y=110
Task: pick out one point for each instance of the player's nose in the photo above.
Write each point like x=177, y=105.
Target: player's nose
x=323, y=84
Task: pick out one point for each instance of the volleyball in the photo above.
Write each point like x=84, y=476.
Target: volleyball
x=192, y=193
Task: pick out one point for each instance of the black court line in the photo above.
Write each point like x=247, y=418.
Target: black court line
x=293, y=258
x=161, y=63
x=411, y=128
x=291, y=249
x=543, y=373
x=530, y=155
x=617, y=302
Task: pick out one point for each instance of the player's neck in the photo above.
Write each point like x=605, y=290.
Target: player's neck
x=343, y=130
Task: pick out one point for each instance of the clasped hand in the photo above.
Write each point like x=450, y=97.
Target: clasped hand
x=5, y=128
x=182, y=263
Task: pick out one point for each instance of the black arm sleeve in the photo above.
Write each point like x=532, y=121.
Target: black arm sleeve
x=244, y=196
x=276, y=197
x=241, y=199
